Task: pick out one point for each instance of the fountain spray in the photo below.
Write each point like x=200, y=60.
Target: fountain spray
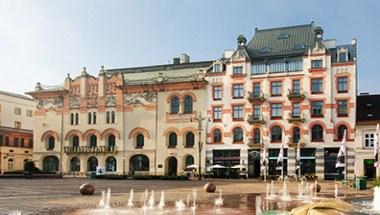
x=130, y=200
x=161, y=204
x=108, y=199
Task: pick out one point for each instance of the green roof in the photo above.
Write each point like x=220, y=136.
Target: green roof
x=282, y=41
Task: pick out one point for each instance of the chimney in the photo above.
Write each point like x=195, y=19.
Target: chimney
x=184, y=58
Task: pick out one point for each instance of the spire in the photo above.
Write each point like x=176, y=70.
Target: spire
x=84, y=72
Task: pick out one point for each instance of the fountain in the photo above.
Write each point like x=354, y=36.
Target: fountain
x=218, y=202
x=108, y=199
x=258, y=206
x=102, y=200
x=284, y=193
x=336, y=192
x=130, y=200
x=180, y=205
x=161, y=204
x=194, y=207
x=300, y=190
x=151, y=200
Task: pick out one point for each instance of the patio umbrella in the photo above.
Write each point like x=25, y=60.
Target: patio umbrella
x=217, y=166
x=239, y=166
x=192, y=166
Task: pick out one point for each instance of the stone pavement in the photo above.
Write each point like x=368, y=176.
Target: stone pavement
x=56, y=196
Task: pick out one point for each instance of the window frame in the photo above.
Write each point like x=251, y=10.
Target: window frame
x=277, y=88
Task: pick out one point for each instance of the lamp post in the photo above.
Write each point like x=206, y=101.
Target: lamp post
x=200, y=120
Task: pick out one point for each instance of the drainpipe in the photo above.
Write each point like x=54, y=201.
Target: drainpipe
x=156, y=136
x=61, y=145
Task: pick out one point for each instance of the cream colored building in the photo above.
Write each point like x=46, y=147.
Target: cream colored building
x=136, y=121
x=16, y=130
x=368, y=116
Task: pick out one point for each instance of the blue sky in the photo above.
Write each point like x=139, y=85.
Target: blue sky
x=42, y=40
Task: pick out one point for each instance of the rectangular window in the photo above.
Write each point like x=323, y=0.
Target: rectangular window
x=256, y=111
x=342, y=56
x=369, y=140
x=71, y=119
x=76, y=118
x=217, y=113
x=316, y=85
x=342, y=108
x=259, y=69
x=295, y=66
x=29, y=113
x=238, y=92
x=276, y=110
x=18, y=111
x=316, y=64
x=276, y=88
x=217, y=92
x=22, y=142
x=94, y=118
x=296, y=113
x=296, y=87
x=6, y=140
x=30, y=143
x=316, y=108
x=277, y=67
x=237, y=112
x=217, y=68
x=237, y=70
x=17, y=124
x=15, y=142
x=108, y=117
x=113, y=117
x=1, y=140
x=89, y=117
x=256, y=89
x=342, y=85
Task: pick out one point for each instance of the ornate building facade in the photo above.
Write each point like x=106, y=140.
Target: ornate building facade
x=16, y=131
x=136, y=121
x=286, y=85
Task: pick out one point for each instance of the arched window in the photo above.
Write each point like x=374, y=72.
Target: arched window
x=296, y=134
x=172, y=140
x=174, y=105
x=138, y=163
x=276, y=134
x=111, y=142
x=50, y=143
x=140, y=141
x=74, y=164
x=75, y=141
x=341, y=130
x=189, y=160
x=238, y=135
x=189, y=140
x=10, y=165
x=111, y=164
x=92, y=163
x=217, y=136
x=256, y=136
x=50, y=164
x=317, y=133
x=93, y=141
x=188, y=104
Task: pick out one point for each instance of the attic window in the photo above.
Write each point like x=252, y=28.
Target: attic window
x=299, y=46
x=370, y=115
x=265, y=50
x=283, y=35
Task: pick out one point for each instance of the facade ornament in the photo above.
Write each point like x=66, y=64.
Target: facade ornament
x=49, y=103
x=92, y=101
x=102, y=71
x=140, y=98
x=84, y=72
x=110, y=101
x=74, y=102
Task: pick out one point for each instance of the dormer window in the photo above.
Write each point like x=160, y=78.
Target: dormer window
x=342, y=56
x=283, y=35
x=217, y=68
x=299, y=46
x=316, y=64
x=265, y=50
x=237, y=70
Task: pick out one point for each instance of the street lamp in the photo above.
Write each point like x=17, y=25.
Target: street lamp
x=200, y=120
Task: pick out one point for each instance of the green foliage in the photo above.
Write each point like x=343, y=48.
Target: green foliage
x=376, y=182
x=30, y=167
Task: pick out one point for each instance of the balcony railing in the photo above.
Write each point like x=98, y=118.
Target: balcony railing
x=256, y=143
x=89, y=149
x=253, y=119
x=296, y=95
x=295, y=118
x=256, y=98
x=294, y=144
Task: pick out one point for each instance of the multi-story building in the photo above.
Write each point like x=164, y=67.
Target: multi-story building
x=16, y=130
x=130, y=121
x=367, y=117
x=287, y=85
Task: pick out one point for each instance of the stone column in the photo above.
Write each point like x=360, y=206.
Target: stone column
x=320, y=163
x=291, y=161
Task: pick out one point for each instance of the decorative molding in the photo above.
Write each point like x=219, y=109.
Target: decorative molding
x=49, y=103
x=110, y=101
x=137, y=99
x=74, y=102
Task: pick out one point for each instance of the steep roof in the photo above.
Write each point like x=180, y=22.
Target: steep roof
x=168, y=73
x=368, y=109
x=282, y=41
x=20, y=96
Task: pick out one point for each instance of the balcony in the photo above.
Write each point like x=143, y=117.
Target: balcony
x=256, y=98
x=295, y=118
x=252, y=119
x=293, y=144
x=256, y=143
x=88, y=149
x=292, y=95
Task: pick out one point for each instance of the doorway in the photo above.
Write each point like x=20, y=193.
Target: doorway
x=369, y=168
x=172, y=166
